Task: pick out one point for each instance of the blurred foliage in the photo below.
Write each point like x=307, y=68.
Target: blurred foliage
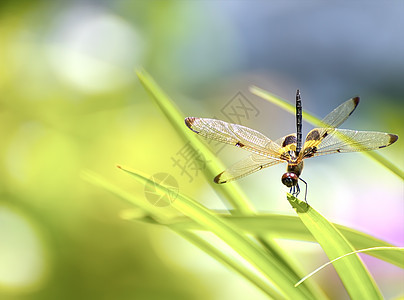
x=69, y=100
x=54, y=124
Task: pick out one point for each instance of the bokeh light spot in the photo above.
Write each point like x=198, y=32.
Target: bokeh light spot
x=22, y=259
x=92, y=50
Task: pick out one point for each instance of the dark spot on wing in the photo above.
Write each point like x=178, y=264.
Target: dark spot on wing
x=309, y=152
x=325, y=134
x=338, y=150
x=189, y=122
x=313, y=135
x=356, y=102
x=217, y=178
x=393, y=138
x=290, y=139
x=285, y=156
x=241, y=145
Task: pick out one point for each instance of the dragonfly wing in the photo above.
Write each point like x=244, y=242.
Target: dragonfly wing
x=334, y=119
x=234, y=134
x=250, y=164
x=344, y=140
x=287, y=140
x=288, y=146
x=340, y=114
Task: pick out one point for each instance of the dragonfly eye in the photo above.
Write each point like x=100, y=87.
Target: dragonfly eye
x=289, y=179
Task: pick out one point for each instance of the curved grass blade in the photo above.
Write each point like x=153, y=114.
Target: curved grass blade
x=292, y=227
x=352, y=272
x=149, y=211
x=272, y=269
x=310, y=118
x=156, y=216
x=401, y=249
x=227, y=261
x=230, y=192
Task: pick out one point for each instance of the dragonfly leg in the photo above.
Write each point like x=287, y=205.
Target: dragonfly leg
x=305, y=193
x=294, y=190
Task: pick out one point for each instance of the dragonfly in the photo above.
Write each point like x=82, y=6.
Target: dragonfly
x=290, y=148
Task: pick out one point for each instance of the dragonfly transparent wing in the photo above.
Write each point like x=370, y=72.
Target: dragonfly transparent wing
x=344, y=140
x=244, y=167
x=236, y=135
x=331, y=121
x=340, y=114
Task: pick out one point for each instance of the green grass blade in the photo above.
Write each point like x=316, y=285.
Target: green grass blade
x=400, y=249
x=227, y=261
x=266, y=265
x=147, y=209
x=292, y=227
x=231, y=192
x=352, y=272
x=156, y=216
x=310, y=118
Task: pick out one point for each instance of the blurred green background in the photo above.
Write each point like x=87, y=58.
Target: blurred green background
x=70, y=101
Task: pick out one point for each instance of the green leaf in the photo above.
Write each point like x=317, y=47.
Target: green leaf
x=227, y=260
x=352, y=272
x=288, y=227
x=292, y=227
x=148, y=210
x=267, y=266
x=157, y=216
x=310, y=118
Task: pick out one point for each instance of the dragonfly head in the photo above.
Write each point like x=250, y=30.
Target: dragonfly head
x=289, y=179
